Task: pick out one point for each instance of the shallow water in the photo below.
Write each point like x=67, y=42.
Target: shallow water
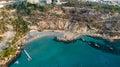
x=46, y=52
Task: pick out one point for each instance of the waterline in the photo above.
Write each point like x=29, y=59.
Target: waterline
x=46, y=52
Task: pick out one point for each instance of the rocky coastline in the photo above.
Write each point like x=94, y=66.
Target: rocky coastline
x=21, y=43
x=67, y=38
x=73, y=22
x=10, y=59
x=20, y=46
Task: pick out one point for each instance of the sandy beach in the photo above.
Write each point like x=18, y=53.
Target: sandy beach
x=34, y=34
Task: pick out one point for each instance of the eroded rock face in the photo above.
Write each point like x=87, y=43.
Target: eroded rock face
x=63, y=25
x=77, y=20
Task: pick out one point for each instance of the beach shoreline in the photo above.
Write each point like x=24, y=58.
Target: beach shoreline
x=34, y=34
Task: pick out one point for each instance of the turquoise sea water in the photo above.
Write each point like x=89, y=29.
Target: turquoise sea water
x=46, y=52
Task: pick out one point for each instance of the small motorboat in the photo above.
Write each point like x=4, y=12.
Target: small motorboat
x=111, y=48
x=17, y=62
x=97, y=45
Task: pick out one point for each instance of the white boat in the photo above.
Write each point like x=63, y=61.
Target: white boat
x=16, y=62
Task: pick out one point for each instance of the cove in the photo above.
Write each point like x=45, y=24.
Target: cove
x=46, y=52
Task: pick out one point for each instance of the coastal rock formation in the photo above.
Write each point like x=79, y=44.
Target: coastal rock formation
x=61, y=25
x=84, y=21
x=81, y=20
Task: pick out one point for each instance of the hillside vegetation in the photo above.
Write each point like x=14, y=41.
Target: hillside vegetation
x=76, y=17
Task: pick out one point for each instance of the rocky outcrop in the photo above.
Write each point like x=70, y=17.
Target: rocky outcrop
x=84, y=21
x=62, y=25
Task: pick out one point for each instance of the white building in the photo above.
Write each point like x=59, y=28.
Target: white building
x=4, y=2
x=110, y=2
x=33, y=1
x=44, y=1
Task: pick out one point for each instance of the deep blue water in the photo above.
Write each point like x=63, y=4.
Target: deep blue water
x=46, y=52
